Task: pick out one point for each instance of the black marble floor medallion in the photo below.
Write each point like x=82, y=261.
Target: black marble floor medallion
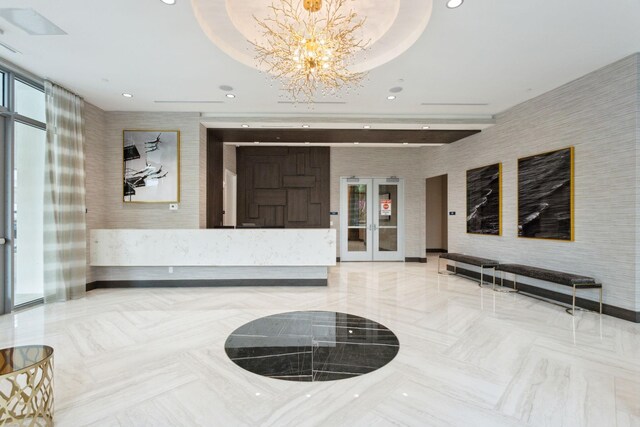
x=312, y=346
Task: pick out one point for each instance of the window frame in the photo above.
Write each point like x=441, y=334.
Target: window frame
x=10, y=117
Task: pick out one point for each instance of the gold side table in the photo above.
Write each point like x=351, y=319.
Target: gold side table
x=26, y=386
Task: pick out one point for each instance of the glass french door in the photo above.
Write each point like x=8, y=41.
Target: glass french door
x=372, y=219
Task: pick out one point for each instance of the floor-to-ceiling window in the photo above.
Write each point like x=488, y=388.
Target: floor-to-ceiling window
x=24, y=143
x=28, y=196
x=28, y=184
x=5, y=300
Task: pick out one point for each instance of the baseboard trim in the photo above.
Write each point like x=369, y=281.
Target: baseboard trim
x=611, y=310
x=210, y=283
x=415, y=259
x=437, y=251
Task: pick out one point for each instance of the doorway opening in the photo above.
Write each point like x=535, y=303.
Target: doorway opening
x=229, y=190
x=437, y=215
x=372, y=223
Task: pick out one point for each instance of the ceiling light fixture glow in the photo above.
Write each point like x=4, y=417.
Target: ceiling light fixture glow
x=309, y=51
x=452, y=4
x=244, y=126
x=356, y=143
x=127, y=95
x=306, y=126
x=230, y=95
x=391, y=97
x=426, y=127
x=256, y=142
x=169, y=2
x=366, y=127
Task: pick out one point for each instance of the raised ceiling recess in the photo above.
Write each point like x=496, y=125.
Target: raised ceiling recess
x=391, y=26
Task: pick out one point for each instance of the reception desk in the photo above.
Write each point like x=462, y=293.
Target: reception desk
x=218, y=257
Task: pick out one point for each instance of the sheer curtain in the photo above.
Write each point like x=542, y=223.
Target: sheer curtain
x=64, y=199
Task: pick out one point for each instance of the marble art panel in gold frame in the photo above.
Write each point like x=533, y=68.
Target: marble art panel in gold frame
x=571, y=197
x=498, y=167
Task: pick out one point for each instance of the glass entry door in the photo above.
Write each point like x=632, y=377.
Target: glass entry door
x=372, y=219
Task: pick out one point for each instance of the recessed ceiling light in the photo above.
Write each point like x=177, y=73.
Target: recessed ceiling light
x=366, y=127
x=426, y=127
x=127, y=95
x=245, y=126
x=391, y=97
x=305, y=126
x=356, y=143
x=256, y=142
x=168, y=1
x=230, y=95
x=452, y=4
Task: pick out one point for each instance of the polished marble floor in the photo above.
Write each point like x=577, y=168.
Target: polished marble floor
x=312, y=346
x=468, y=357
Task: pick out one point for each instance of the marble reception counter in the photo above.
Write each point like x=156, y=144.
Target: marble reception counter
x=215, y=256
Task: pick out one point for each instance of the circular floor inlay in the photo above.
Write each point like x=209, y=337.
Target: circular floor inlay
x=312, y=346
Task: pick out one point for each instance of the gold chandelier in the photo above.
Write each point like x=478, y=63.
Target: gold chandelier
x=310, y=48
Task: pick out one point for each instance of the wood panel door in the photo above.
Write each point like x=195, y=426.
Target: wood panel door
x=283, y=186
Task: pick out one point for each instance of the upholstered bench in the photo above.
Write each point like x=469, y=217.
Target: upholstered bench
x=566, y=279
x=471, y=260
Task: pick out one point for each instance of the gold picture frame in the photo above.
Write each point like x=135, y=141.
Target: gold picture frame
x=150, y=166
x=546, y=181
x=485, y=195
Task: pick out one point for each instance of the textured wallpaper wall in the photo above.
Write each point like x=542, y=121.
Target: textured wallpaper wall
x=597, y=114
x=94, y=154
x=202, y=177
x=637, y=56
x=104, y=179
x=151, y=215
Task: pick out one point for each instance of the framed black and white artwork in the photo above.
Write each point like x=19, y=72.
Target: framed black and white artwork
x=484, y=200
x=151, y=166
x=545, y=196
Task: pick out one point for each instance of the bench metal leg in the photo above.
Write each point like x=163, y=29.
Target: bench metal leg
x=573, y=308
x=481, y=283
x=445, y=271
x=502, y=288
x=601, y=300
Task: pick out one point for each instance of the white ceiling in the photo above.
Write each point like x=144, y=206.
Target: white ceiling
x=494, y=53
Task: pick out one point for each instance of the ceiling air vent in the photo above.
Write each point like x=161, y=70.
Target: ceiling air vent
x=9, y=48
x=454, y=104
x=189, y=102
x=31, y=22
x=317, y=102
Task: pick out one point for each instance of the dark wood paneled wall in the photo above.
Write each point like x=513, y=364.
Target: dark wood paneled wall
x=283, y=186
x=215, y=176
